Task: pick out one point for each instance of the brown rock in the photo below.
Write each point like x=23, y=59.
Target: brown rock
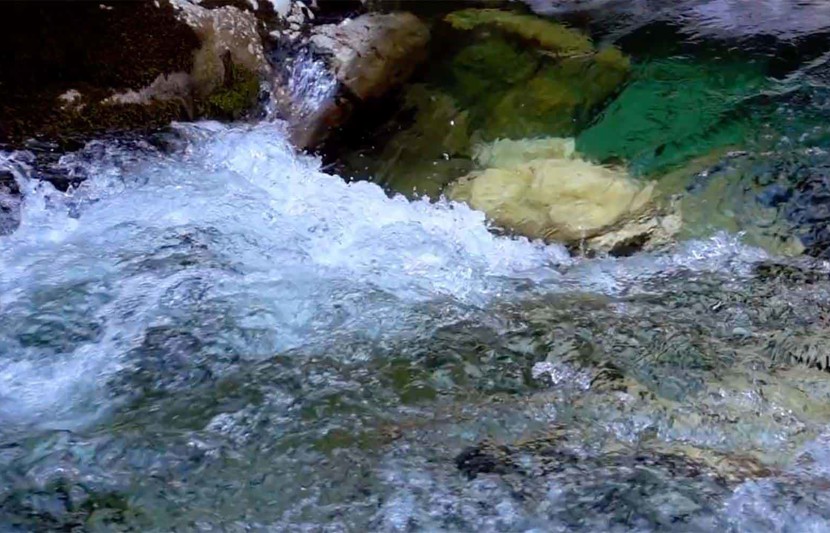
x=344, y=65
x=82, y=69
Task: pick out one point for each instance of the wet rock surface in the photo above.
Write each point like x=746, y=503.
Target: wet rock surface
x=344, y=65
x=694, y=483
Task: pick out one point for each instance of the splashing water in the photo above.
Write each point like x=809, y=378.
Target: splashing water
x=239, y=223
x=223, y=336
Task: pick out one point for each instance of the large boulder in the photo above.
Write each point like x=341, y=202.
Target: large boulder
x=347, y=64
x=557, y=196
x=84, y=68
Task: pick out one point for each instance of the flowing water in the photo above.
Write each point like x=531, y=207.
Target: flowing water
x=211, y=334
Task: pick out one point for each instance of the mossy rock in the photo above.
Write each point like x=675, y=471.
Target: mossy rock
x=236, y=97
x=541, y=33
x=485, y=69
x=560, y=98
x=675, y=110
x=514, y=90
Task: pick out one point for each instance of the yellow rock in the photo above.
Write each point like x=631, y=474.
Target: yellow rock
x=542, y=189
x=506, y=153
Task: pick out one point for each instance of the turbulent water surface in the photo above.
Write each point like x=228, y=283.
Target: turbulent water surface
x=209, y=333
x=221, y=336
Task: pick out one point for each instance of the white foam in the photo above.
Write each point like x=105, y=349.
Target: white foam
x=251, y=249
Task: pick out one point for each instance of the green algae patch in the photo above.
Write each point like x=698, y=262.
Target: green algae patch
x=236, y=97
x=421, y=159
x=674, y=110
x=541, y=33
x=485, y=69
x=560, y=99
x=530, y=86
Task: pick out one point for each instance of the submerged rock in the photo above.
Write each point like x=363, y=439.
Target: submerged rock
x=795, y=188
x=558, y=196
x=423, y=158
x=560, y=98
x=528, y=462
x=493, y=74
x=548, y=83
x=357, y=60
x=539, y=32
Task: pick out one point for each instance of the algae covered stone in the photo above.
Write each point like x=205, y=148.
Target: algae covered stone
x=433, y=151
x=542, y=33
x=560, y=99
x=523, y=76
x=483, y=70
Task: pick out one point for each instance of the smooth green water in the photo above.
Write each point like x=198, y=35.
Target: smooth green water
x=676, y=109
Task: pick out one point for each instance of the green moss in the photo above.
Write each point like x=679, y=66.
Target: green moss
x=235, y=98
x=482, y=71
x=542, y=33
x=560, y=99
x=514, y=90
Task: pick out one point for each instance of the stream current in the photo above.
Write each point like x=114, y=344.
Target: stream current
x=209, y=333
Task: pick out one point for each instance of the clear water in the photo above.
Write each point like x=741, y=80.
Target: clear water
x=219, y=336
x=224, y=338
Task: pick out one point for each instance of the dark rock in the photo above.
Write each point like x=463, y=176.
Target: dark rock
x=9, y=203
x=809, y=209
x=628, y=482
x=774, y=195
x=486, y=458
x=66, y=506
x=82, y=69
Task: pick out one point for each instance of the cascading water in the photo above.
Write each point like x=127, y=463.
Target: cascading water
x=240, y=231
x=209, y=333
x=220, y=336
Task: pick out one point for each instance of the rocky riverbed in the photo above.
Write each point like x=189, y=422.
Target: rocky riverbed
x=403, y=266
